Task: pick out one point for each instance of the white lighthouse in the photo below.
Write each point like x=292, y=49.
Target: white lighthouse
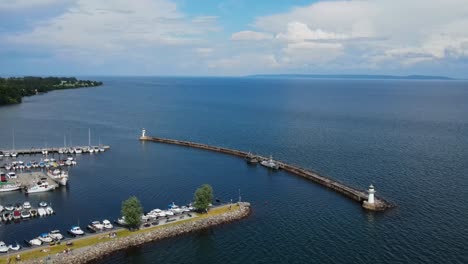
x=143, y=133
x=371, y=192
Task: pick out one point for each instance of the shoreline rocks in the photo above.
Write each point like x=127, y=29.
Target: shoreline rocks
x=98, y=251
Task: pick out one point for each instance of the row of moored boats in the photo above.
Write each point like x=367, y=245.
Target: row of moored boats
x=24, y=211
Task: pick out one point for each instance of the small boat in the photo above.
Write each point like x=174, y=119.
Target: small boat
x=28, y=165
x=15, y=247
x=96, y=225
x=27, y=205
x=25, y=214
x=43, y=204
x=41, y=211
x=33, y=212
x=9, y=207
x=41, y=164
x=14, y=154
x=1, y=208
x=18, y=207
x=1, y=154
x=76, y=231
x=40, y=186
x=7, y=216
x=270, y=163
x=44, y=151
x=251, y=159
x=49, y=210
x=45, y=238
x=3, y=247
x=55, y=234
x=12, y=175
x=121, y=221
x=34, y=242
x=107, y=224
x=16, y=214
x=175, y=209
x=78, y=150
x=96, y=149
x=10, y=187
x=59, y=176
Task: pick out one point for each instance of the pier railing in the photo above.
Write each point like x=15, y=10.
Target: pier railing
x=350, y=192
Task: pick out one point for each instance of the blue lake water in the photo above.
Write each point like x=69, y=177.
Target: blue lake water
x=408, y=138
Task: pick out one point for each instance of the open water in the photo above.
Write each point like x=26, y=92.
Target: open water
x=408, y=138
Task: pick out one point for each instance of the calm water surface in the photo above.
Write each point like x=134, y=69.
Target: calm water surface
x=408, y=138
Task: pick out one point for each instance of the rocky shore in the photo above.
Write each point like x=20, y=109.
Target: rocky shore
x=92, y=253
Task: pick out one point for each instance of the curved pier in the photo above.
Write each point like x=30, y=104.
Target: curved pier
x=379, y=203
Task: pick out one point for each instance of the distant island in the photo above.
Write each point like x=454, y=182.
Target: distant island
x=352, y=76
x=13, y=89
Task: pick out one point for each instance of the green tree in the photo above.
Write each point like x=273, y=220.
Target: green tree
x=132, y=211
x=203, y=197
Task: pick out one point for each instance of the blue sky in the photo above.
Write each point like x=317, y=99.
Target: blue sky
x=233, y=37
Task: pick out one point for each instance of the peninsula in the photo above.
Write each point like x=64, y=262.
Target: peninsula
x=13, y=89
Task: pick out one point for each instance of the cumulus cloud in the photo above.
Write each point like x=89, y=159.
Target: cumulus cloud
x=110, y=27
x=406, y=32
x=251, y=35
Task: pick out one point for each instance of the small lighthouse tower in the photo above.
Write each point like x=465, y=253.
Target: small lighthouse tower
x=371, y=192
x=143, y=134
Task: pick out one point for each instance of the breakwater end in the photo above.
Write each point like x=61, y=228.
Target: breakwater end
x=101, y=249
x=367, y=200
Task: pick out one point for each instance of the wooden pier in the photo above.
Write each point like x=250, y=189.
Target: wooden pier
x=51, y=150
x=357, y=195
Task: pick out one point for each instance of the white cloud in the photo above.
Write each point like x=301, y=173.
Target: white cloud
x=23, y=4
x=400, y=31
x=204, y=51
x=115, y=27
x=251, y=35
x=298, y=31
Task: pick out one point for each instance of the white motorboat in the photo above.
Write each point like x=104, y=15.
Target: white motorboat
x=45, y=238
x=76, y=231
x=44, y=151
x=55, y=234
x=43, y=204
x=14, y=154
x=61, y=150
x=59, y=176
x=49, y=210
x=168, y=212
x=15, y=247
x=3, y=247
x=40, y=186
x=96, y=149
x=33, y=212
x=9, y=207
x=35, y=242
x=78, y=150
x=41, y=211
x=175, y=209
x=107, y=224
x=25, y=214
x=27, y=205
x=10, y=187
x=7, y=216
x=270, y=163
x=121, y=221
x=12, y=175
x=96, y=225
x=1, y=208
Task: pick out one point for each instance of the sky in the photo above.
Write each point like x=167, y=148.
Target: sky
x=233, y=37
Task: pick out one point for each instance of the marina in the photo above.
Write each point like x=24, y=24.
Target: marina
x=367, y=199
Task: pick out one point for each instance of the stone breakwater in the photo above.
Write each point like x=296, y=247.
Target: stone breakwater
x=95, y=252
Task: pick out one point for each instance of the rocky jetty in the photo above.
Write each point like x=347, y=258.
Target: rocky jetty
x=92, y=253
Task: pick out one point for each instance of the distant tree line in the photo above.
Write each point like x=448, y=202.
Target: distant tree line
x=13, y=89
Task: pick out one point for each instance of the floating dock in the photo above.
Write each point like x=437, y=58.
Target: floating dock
x=379, y=204
x=33, y=151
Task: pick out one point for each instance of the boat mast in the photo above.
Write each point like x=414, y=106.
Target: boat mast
x=13, y=134
x=89, y=137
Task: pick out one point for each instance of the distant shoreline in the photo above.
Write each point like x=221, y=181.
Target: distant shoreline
x=13, y=89
x=353, y=76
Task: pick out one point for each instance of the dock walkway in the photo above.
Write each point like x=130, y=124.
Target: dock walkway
x=353, y=193
x=33, y=151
